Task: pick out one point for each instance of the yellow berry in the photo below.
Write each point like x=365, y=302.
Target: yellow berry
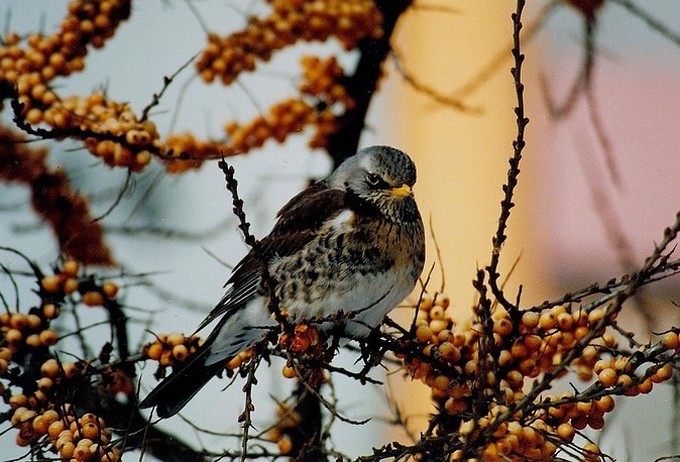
x=288, y=372
x=423, y=334
x=70, y=285
x=50, y=311
x=50, y=368
x=51, y=284
x=110, y=289
x=154, y=351
x=48, y=337
x=608, y=377
x=70, y=268
x=670, y=340
x=93, y=298
x=180, y=352
x=285, y=444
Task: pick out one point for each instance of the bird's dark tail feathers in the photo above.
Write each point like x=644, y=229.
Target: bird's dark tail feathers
x=175, y=391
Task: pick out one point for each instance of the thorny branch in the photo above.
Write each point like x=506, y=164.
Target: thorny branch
x=513, y=172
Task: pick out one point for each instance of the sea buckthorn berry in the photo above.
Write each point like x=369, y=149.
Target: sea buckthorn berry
x=175, y=339
x=670, y=340
x=591, y=452
x=50, y=311
x=70, y=268
x=50, y=368
x=662, y=374
x=608, y=377
x=51, y=284
x=55, y=428
x=645, y=386
x=437, y=313
x=70, y=285
x=423, y=334
x=180, y=352
x=93, y=298
x=48, y=337
x=110, y=289
x=289, y=372
x=503, y=326
x=605, y=404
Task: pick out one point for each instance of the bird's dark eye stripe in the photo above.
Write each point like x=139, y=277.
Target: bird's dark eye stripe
x=376, y=181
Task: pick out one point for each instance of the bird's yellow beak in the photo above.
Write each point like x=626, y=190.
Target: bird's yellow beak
x=402, y=191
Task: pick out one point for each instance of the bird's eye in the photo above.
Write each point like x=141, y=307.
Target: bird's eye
x=375, y=180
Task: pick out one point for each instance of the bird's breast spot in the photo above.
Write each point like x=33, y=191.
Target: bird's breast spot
x=340, y=222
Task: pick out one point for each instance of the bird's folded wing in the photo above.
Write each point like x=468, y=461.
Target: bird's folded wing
x=298, y=222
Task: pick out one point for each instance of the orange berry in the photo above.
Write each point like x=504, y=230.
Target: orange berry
x=18, y=321
x=547, y=320
x=591, y=452
x=608, y=377
x=437, y=313
x=110, y=289
x=624, y=380
x=503, y=327
x=50, y=311
x=45, y=384
x=288, y=372
x=33, y=340
x=93, y=298
x=662, y=374
x=285, y=444
x=645, y=386
x=51, y=284
x=175, y=339
x=48, y=337
x=55, y=428
x=426, y=303
x=670, y=340
x=90, y=430
x=438, y=325
x=180, y=352
x=154, y=350
x=605, y=404
x=71, y=268
x=70, y=285
x=50, y=368
x=423, y=334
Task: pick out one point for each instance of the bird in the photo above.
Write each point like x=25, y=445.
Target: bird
x=352, y=243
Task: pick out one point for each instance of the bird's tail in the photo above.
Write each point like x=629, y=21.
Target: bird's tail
x=232, y=335
x=175, y=391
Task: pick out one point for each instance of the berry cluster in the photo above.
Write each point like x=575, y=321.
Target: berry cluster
x=179, y=144
x=170, y=349
x=460, y=363
x=31, y=69
x=62, y=53
x=303, y=342
x=288, y=419
x=67, y=282
x=19, y=329
x=349, y=21
x=37, y=411
x=77, y=439
x=322, y=79
x=284, y=118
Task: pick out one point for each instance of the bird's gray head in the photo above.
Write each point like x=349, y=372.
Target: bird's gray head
x=380, y=176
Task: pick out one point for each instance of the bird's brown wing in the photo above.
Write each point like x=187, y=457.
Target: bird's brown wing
x=298, y=222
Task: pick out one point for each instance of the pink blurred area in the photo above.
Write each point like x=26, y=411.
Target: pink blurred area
x=592, y=220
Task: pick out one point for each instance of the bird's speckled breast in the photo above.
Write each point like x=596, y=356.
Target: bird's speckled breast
x=355, y=264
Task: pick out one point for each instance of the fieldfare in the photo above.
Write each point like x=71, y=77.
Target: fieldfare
x=351, y=243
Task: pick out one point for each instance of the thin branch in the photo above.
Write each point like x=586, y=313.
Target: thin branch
x=518, y=146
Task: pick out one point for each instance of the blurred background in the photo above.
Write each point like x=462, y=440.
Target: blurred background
x=598, y=183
